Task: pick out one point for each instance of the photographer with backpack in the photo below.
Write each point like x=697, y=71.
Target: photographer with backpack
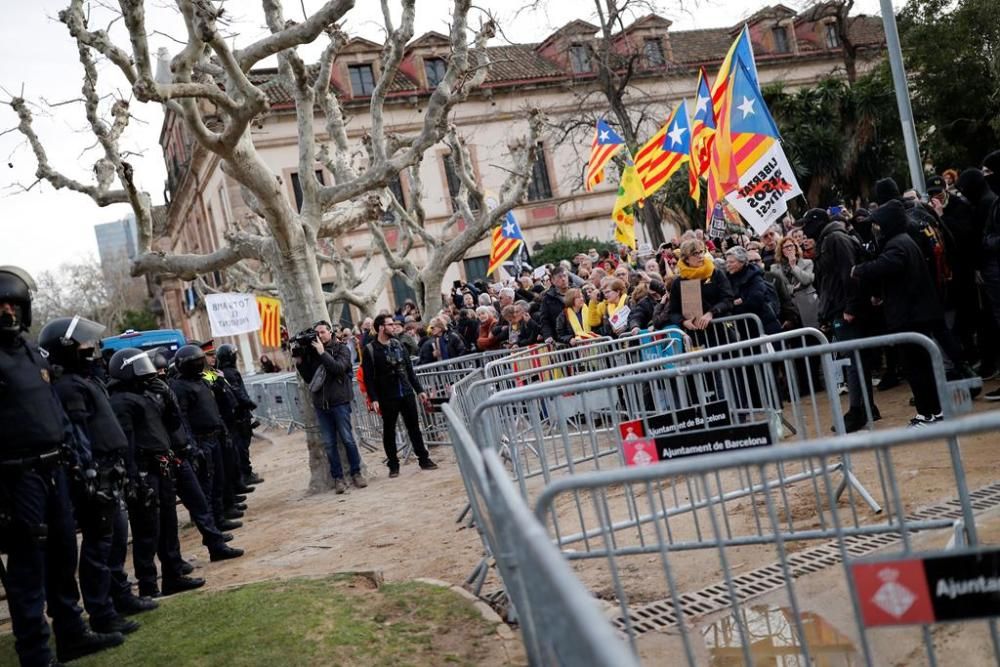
x=393, y=389
x=325, y=363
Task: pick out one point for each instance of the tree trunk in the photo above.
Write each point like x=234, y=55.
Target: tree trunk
x=431, y=281
x=654, y=227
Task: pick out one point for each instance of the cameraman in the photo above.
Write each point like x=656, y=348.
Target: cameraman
x=325, y=363
x=391, y=385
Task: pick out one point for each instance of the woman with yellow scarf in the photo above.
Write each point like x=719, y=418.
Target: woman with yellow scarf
x=716, y=292
x=573, y=323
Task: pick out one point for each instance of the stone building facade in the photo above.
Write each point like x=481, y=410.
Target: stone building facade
x=555, y=75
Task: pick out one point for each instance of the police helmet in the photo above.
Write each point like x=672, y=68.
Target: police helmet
x=63, y=337
x=190, y=360
x=129, y=364
x=159, y=357
x=225, y=355
x=15, y=288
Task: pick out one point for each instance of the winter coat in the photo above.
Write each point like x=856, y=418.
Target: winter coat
x=448, y=346
x=486, y=340
x=553, y=303
x=837, y=253
x=528, y=333
x=641, y=314
x=337, y=387
x=796, y=277
x=716, y=297
x=788, y=313
x=755, y=296
x=900, y=274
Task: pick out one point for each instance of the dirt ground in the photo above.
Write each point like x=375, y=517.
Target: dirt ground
x=406, y=528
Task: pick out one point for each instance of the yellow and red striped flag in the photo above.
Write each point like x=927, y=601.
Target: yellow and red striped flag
x=741, y=48
x=506, y=239
x=702, y=136
x=270, y=321
x=606, y=143
x=660, y=157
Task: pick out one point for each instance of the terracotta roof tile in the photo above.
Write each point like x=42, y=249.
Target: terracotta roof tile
x=518, y=62
x=699, y=46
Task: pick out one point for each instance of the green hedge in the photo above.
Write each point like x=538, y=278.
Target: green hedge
x=564, y=247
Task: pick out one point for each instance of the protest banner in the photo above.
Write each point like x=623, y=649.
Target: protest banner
x=232, y=314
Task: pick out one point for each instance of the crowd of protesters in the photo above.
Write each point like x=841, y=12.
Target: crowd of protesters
x=902, y=263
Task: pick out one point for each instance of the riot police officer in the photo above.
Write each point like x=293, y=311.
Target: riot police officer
x=186, y=460
x=36, y=524
x=71, y=343
x=242, y=431
x=201, y=413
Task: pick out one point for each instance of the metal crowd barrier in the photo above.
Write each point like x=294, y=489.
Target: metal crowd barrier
x=832, y=585
x=719, y=506
x=277, y=399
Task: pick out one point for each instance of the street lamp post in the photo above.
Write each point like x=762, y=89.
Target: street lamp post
x=902, y=96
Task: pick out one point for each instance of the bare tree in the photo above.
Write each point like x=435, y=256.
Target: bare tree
x=210, y=91
x=472, y=206
x=104, y=294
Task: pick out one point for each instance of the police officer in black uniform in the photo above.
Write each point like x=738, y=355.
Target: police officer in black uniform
x=71, y=343
x=187, y=459
x=36, y=516
x=201, y=414
x=242, y=430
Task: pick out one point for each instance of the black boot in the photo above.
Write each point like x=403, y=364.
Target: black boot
x=239, y=498
x=181, y=584
x=130, y=605
x=224, y=552
x=243, y=490
x=254, y=478
x=85, y=643
x=241, y=507
x=227, y=537
x=227, y=524
x=232, y=513
x=114, y=624
x=186, y=567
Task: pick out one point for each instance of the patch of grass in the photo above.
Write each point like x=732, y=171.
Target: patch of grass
x=303, y=623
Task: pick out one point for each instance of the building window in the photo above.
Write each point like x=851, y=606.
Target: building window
x=297, y=187
x=579, y=58
x=362, y=80
x=780, y=39
x=454, y=184
x=402, y=291
x=396, y=188
x=652, y=49
x=475, y=268
x=832, y=38
x=539, y=187
x=434, y=69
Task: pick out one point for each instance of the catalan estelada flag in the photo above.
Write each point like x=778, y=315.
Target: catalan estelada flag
x=742, y=47
x=606, y=143
x=270, y=321
x=746, y=130
x=660, y=157
x=506, y=238
x=702, y=136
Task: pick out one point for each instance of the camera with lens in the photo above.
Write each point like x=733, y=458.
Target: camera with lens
x=302, y=341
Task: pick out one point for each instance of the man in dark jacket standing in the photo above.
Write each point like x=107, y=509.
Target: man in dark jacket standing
x=392, y=386
x=841, y=305
x=553, y=303
x=242, y=431
x=331, y=393
x=900, y=275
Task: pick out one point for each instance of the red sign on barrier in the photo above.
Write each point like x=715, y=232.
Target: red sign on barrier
x=938, y=588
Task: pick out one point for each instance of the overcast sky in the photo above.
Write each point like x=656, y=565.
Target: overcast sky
x=43, y=228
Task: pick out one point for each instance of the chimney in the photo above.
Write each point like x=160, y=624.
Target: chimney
x=163, y=74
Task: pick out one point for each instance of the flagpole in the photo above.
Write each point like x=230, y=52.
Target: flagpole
x=902, y=96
